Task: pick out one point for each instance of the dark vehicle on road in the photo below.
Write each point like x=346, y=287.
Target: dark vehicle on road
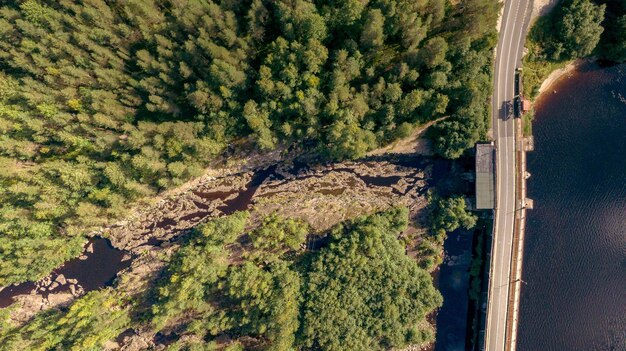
x=507, y=109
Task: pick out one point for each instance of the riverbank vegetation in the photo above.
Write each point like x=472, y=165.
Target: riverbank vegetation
x=89, y=322
x=104, y=104
x=221, y=291
x=445, y=215
x=448, y=214
x=574, y=29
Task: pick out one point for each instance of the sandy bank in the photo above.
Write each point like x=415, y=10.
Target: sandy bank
x=541, y=8
x=560, y=73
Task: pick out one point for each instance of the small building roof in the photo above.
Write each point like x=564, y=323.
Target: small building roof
x=485, y=180
x=526, y=105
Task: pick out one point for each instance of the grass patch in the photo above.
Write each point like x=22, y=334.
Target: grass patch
x=537, y=66
x=536, y=72
x=527, y=123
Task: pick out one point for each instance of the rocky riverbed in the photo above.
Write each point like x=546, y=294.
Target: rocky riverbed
x=322, y=195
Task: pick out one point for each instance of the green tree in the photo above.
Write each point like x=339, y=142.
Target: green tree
x=449, y=214
x=277, y=234
x=89, y=322
x=265, y=302
x=196, y=269
x=364, y=293
x=103, y=104
x=579, y=29
x=373, y=33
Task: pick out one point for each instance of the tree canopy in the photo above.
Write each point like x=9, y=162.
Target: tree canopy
x=359, y=292
x=571, y=31
x=92, y=320
x=104, y=103
x=613, y=41
x=579, y=29
x=574, y=29
x=449, y=214
x=364, y=293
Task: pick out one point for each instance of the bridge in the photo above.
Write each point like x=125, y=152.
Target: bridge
x=505, y=260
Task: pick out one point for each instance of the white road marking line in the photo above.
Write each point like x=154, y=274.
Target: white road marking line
x=517, y=57
x=506, y=151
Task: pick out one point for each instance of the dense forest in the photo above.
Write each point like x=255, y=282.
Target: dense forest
x=613, y=41
x=575, y=29
x=229, y=289
x=104, y=103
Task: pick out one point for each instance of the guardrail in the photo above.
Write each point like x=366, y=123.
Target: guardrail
x=518, y=239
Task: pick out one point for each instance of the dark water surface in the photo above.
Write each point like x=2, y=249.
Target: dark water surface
x=453, y=283
x=575, y=248
x=99, y=269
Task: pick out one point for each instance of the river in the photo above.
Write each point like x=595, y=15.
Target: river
x=575, y=247
x=453, y=282
x=92, y=271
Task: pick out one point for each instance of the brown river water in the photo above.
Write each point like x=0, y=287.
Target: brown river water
x=575, y=247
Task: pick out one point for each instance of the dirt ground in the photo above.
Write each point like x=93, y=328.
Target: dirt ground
x=541, y=7
x=558, y=74
x=415, y=143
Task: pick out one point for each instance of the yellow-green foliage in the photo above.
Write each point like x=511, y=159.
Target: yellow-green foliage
x=277, y=234
x=92, y=320
x=196, y=269
x=360, y=292
x=103, y=103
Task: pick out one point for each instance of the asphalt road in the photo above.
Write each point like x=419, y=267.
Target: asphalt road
x=508, y=56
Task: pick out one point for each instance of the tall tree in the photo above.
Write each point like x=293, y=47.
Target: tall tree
x=579, y=30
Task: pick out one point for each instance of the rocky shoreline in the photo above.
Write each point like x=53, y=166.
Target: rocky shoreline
x=321, y=195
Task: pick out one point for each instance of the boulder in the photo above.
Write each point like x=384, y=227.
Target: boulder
x=89, y=248
x=61, y=279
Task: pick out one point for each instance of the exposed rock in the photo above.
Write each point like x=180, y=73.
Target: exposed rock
x=89, y=248
x=26, y=306
x=323, y=188
x=110, y=345
x=326, y=195
x=82, y=257
x=61, y=279
x=137, y=342
x=60, y=298
x=171, y=216
x=321, y=196
x=53, y=286
x=143, y=270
